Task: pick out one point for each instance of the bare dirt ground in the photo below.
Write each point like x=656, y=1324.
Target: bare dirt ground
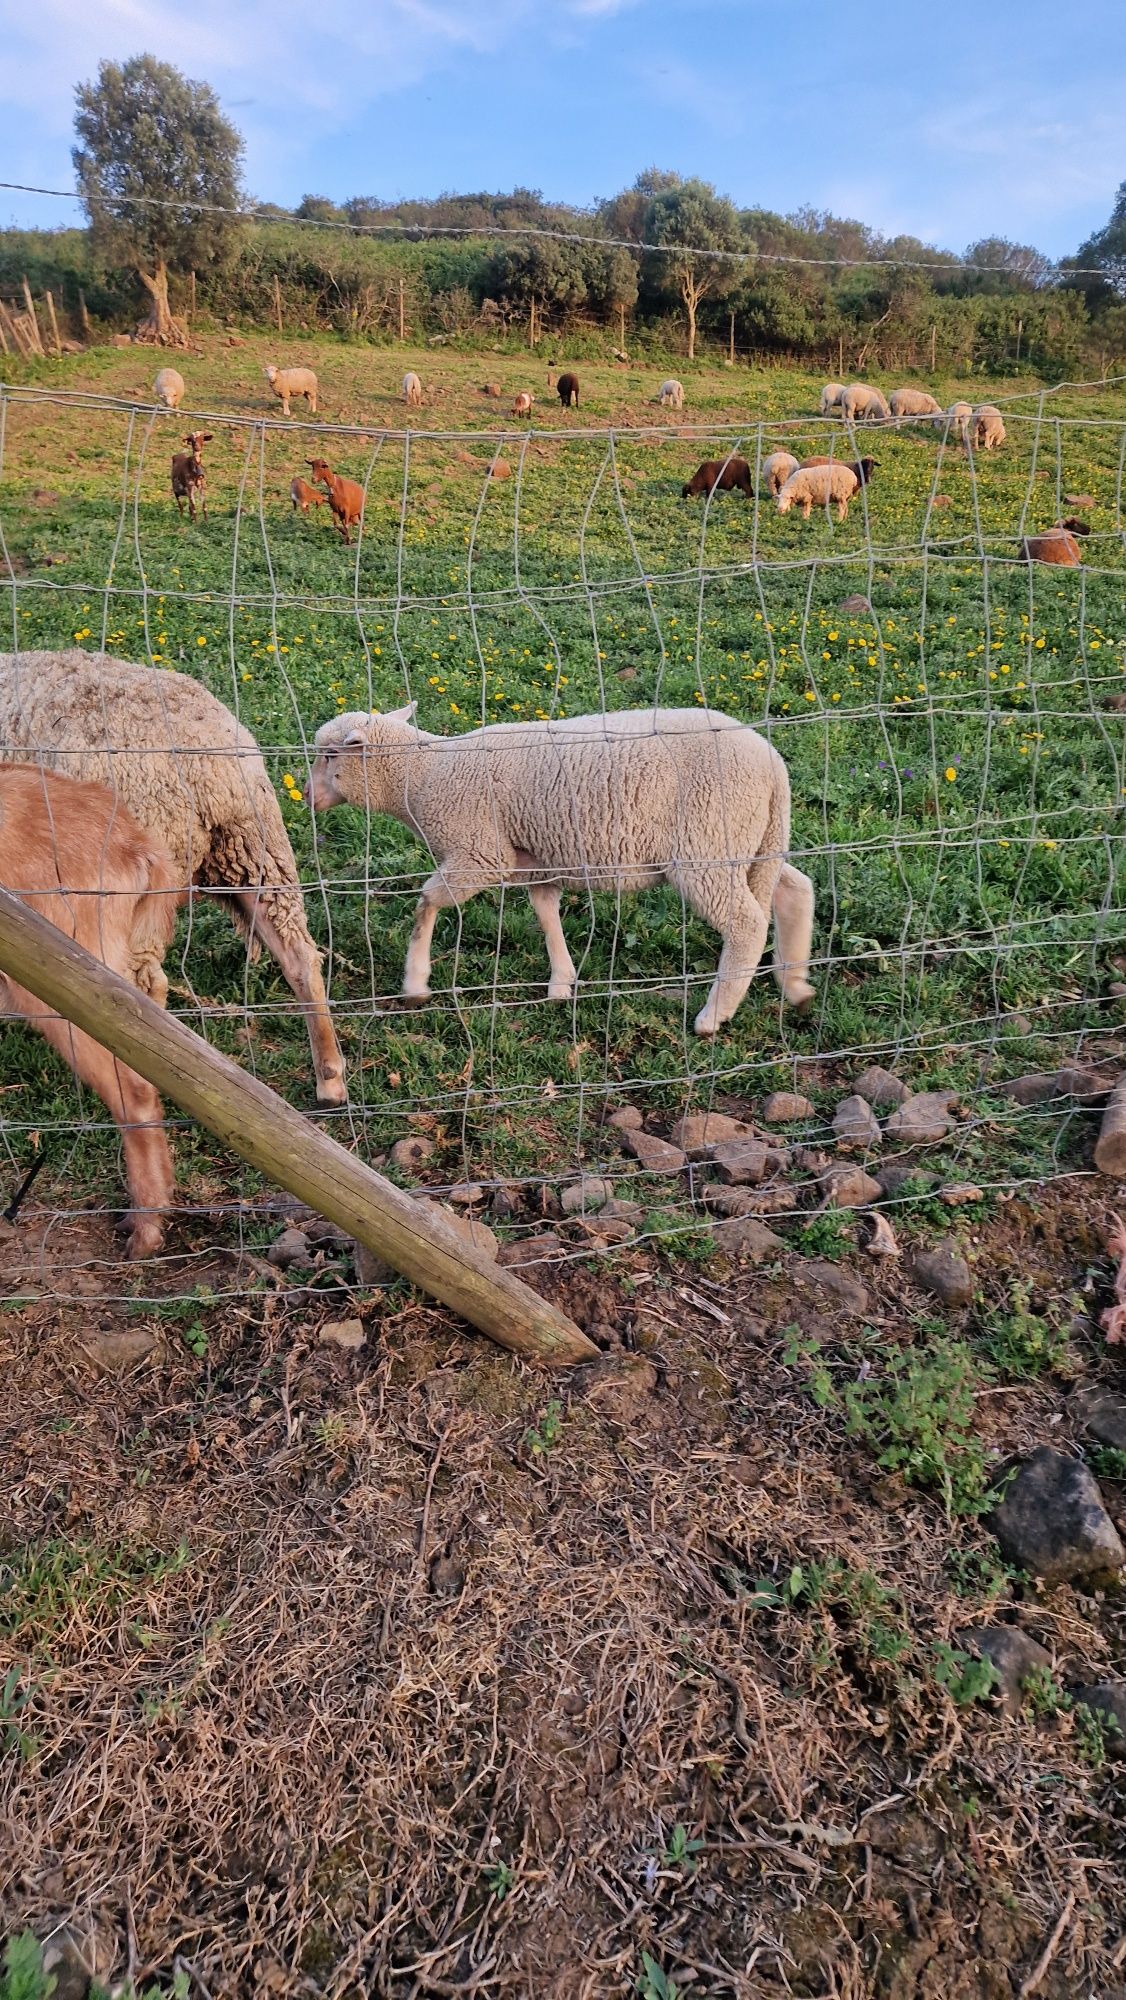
x=406, y=1670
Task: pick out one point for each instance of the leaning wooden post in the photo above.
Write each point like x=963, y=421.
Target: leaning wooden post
x=1110, y=1147
x=55, y=341
x=262, y=1128
x=33, y=323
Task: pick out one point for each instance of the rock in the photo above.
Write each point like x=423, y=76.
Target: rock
x=784, y=1107
x=621, y=1211
x=855, y=1123
x=627, y=1119
x=500, y=469
x=1080, y=499
x=291, y=1247
x=1012, y=1653
x=1053, y=1523
x=1108, y=1698
x=67, y=1967
x=835, y=1283
x=408, y=1155
x=346, y=1333
x=324, y=1235
x=879, y=1086
x=882, y=1241
x=370, y=1269
x=922, y=1119
x=531, y=1249
x=505, y=1204
x=600, y=1230
x=945, y=1274
x=655, y=1155
x=1074, y=1080
x=959, y=1193
x=1036, y=1088
x=1102, y=1413
x=741, y=1160
x=470, y=1229
x=856, y=605
x=700, y=1132
x=581, y=1196
x=120, y=1347
x=626, y=674
x=844, y=1186
x=744, y=1237
x=942, y=500
x=898, y=1174
x=467, y=1194
x=777, y=1200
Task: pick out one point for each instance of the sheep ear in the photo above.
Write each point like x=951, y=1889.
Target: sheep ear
x=355, y=740
x=406, y=714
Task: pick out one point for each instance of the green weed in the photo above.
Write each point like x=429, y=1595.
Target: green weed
x=547, y=1432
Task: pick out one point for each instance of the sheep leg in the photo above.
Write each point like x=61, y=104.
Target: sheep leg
x=793, y=935
x=842, y=509
x=299, y=962
x=449, y=885
x=136, y=1110
x=722, y=896
x=544, y=898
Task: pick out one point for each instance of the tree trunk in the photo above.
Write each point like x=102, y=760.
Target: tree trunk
x=161, y=328
x=690, y=305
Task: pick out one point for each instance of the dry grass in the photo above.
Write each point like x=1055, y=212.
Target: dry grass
x=378, y=1674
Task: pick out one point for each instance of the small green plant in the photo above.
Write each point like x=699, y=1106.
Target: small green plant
x=1107, y=1462
x=654, y=1984
x=679, y=1851
x=194, y=1337
x=919, y=1417
x=676, y=1239
x=23, y=1977
x=978, y=1573
x=965, y=1678
x=1021, y=1343
x=499, y=1880
x=825, y=1236
x=1097, y=1735
x=14, y=1699
x=547, y=1432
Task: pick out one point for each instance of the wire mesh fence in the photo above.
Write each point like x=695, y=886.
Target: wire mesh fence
x=951, y=717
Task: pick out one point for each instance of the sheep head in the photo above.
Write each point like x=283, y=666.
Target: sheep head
x=348, y=755
x=270, y=372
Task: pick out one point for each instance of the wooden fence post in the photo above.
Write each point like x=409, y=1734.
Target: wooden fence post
x=262, y=1128
x=32, y=322
x=402, y=319
x=277, y=302
x=56, y=342
x=83, y=315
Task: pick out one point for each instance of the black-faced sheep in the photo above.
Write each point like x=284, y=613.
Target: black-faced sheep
x=723, y=474
x=567, y=389
x=194, y=778
x=615, y=802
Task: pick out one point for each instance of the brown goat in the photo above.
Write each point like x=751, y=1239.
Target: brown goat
x=305, y=496
x=344, y=497
x=188, y=477
x=567, y=389
x=71, y=851
x=861, y=468
x=1056, y=545
x=724, y=473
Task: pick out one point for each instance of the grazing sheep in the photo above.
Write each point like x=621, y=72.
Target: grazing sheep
x=776, y=470
x=522, y=407
x=194, y=778
x=986, y=427
x=955, y=420
x=860, y=403
x=863, y=468
x=305, y=496
x=412, y=391
x=345, y=498
x=724, y=473
x=567, y=389
x=287, y=382
x=816, y=486
x=831, y=397
x=70, y=851
x=1056, y=545
x=671, y=394
x=913, y=403
x=618, y=802
x=188, y=476
x=169, y=388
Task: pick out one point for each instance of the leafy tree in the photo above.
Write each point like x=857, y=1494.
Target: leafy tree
x=1009, y=267
x=318, y=208
x=155, y=154
x=685, y=220
x=1104, y=251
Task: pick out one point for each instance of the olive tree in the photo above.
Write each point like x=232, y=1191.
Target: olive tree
x=157, y=163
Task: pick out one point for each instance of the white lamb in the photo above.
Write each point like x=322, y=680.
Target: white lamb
x=831, y=397
x=860, y=403
x=412, y=391
x=955, y=421
x=169, y=388
x=816, y=486
x=287, y=382
x=914, y=403
x=671, y=394
x=986, y=427
x=192, y=777
x=777, y=469
x=618, y=802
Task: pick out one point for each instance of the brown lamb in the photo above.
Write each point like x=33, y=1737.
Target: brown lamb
x=188, y=477
x=724, y=473
x=344, y=497
x=1056, y=545
x=305, y=496
x=70, y=850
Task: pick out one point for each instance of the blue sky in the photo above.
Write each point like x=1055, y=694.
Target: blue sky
x=950, y=123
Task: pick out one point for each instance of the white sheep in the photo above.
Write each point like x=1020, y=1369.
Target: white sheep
x=618, y=802
x=777, y=469
x=955, y=420
x=860, y=403
x=831, y=397
x=287, y=382
x=194, y=778
x=986, y=427
x=816, y=486
x=671, y=394
x=412, y=391
x=169, y=388
x=914, y=403
x=522, y=403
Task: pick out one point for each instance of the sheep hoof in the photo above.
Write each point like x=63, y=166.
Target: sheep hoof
x=801, y=997
x=560, y=992
x=145, y=1237
x=416, y=999
x=706, y=1024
